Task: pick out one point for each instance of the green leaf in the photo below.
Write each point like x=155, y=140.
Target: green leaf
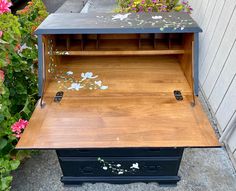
x=178, y=8
x=3, y=42
x=26, y=109
x=3, y=143
x=5, y=183
x=19, y=90
x=22, y=154
x=14, y=164
x=1, y=118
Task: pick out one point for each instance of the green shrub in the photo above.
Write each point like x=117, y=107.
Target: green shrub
x=18, y=81
x=153, y=6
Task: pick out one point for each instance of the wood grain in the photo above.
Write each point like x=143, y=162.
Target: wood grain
x=186, y=60
x=125, y=76
x=139, y=112
x=118, y=122
x=121, y=52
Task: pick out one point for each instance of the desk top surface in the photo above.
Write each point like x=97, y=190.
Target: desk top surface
x=98, y=23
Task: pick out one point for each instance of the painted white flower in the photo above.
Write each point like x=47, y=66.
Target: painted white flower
x=120, y=16
x=135, y=166
x=88, y=75
x=156, y=17
x=99, y=83
x=104, y=168
x=69, y=73
x=104, y=87
x=75, y=86
x=120, y=172
x=118, y=165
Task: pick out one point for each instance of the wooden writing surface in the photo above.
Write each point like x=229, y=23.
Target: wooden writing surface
x=137, y=110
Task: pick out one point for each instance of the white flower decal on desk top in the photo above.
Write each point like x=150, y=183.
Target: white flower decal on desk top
x=88, y=75
x=68, y=81
x=163, y=22
x=69, y=73
x=99, y=83
x=104, y=87
x=120, y=16
x=75, y=86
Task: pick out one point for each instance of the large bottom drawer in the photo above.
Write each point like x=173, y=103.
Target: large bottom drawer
x=119, y=166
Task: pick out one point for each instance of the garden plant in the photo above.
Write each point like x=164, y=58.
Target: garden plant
x=154, y=6
x=18, y=80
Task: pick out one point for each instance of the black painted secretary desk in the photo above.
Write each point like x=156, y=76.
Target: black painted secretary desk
x=118, y=96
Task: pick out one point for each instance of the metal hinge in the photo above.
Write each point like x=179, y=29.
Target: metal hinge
x=178, y=95
x=58, y=96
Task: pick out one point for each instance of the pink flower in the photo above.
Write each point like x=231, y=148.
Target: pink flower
x=18, y=127
x=4, y=6
x=149, y=9
x=1, y=33
x=140, y=8
x=2, y=75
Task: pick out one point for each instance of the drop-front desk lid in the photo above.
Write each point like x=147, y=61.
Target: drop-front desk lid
x=102, y=23
x=136, y=108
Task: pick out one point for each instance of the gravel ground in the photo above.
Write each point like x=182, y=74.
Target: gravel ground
x=53, y=5
x=100, y=6
x=201, y=169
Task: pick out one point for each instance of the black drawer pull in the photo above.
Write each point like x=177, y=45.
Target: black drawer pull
x=87, y=170
x=155, y=150
x=153, y=168
x=84, y=151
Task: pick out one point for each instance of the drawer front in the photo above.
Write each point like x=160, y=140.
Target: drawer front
x=134, y=152
x=119, y=166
